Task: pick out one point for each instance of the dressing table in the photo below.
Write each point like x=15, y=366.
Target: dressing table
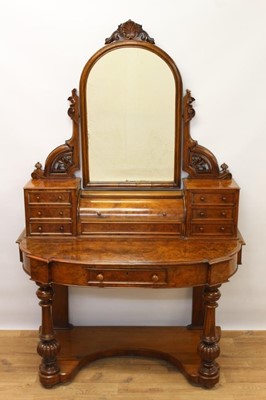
x=130, y=221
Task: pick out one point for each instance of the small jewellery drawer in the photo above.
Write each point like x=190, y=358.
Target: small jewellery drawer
x=212, y=213
x=49, y=197
x=49, y=212
x=213, y=198
x=50, y=228
x=127, y=277
x=130, y=228
x=212, y=229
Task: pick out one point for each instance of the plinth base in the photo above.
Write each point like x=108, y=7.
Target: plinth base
x=81, y=345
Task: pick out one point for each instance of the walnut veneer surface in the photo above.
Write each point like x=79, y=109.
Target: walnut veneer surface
x=130, y=234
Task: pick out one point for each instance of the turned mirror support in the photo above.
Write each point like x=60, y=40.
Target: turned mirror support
x=198, y=161
x=63, y=161
x=48, y=347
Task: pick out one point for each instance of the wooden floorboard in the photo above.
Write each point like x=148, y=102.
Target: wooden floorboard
x=242, y=361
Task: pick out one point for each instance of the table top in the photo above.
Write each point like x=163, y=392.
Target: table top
x=101, y=250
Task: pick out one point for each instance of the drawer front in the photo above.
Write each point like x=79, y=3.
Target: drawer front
x=131, y=228
x=212, y=213
x=49, y=197
x=213, y=229
x=49, y=212
x=213, y=198
x=50, y=228
x=127, y=277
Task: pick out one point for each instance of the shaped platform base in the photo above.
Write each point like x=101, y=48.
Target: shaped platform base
x=81, y=345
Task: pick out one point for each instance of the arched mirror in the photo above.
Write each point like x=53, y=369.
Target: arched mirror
x=131, y=106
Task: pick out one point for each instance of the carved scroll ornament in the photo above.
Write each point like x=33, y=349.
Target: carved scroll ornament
x=129, y=30
x=198, y=161
x=63, y=161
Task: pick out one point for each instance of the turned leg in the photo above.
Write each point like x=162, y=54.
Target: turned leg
x=198, y=311
x=48, y=347
x=208, y=348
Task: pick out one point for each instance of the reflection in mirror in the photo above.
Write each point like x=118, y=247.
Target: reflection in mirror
x=131, y=117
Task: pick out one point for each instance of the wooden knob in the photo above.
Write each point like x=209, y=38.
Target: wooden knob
x=202, y=213
x=155, y=278
x=99, y=213
x=202, y=198
x=223, y=214
x=62, y=228
x=99, y=277
x=224, y=198
x=61, y=213
x=39, y=213
x=222, y=229
x=164, y=214
x=40, y=228
x=201, y=229
x=60, y=197
x=38, y=198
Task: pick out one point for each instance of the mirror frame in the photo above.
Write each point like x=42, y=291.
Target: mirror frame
x=149, y=46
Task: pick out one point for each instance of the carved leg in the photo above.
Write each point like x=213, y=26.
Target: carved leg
x=198, y=311
x=48, y=347
x=208, y=348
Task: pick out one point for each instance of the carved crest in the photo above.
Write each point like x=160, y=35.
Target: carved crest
x=129, y=30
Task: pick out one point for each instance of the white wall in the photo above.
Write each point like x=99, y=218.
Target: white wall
x=219, y=47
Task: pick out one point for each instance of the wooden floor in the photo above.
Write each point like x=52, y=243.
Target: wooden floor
x=242, y=361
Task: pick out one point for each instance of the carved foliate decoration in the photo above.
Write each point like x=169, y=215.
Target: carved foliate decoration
x=198, y=161
x=129, y=30
x=63, y=161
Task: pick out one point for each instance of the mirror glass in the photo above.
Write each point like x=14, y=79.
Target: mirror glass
x=130, y=105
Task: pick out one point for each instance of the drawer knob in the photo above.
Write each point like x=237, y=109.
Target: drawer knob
x=62, y=228
x=99, y=213
x=155, y=278
x=38, y=198
x=60, y=197
x=202, y=213
x=99, y=277
x=201, y=229
x=60, y=213
x=164, y=214
x=40, y=228
x=39, y=213
x=202, y=198
x=222, y=229
x=224, y=198
x=223, y=214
